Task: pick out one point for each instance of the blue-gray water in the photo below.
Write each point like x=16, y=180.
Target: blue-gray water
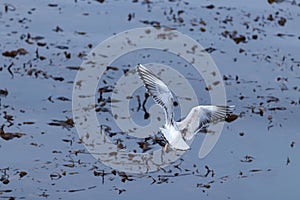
x=256, y=156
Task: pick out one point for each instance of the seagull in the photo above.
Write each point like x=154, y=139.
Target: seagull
x=177, y=133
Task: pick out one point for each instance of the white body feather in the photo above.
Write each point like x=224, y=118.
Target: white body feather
x=174, y=137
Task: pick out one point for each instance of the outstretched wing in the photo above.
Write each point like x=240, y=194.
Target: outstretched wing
x=159, y=91
x=200, y=116
x=213, y=114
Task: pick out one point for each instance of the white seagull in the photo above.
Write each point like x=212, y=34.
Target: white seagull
x=176, y=133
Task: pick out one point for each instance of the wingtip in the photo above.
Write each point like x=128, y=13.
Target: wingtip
x=227, y=108
x=143, y=71
x=231, y=108
x=139, y=67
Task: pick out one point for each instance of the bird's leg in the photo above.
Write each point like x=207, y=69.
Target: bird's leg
x=164, y=150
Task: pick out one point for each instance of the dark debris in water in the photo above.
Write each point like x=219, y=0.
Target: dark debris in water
x=237, y=38
x=247, y=159
x=292, y=144
x=68, y=123
x=63, y=99
x=14, y=53
x=231, y=117
x=119, y=190
x=3, y=92
x=75, y=68
x=55, y=176
x=288, y=160
x=9, y=136
x=22, y=174
x=4, y=178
